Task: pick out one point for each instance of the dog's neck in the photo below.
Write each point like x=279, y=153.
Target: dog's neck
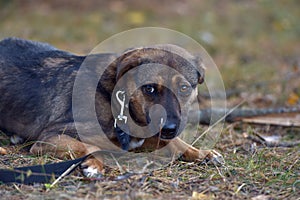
x=126, y=141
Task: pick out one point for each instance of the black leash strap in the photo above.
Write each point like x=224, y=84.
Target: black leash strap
x=39, y=173
x=48, y=172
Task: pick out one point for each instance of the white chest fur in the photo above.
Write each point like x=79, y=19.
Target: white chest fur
x=135, y=143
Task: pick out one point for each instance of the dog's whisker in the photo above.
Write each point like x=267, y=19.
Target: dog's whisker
x=161, y=122
x=159, y=133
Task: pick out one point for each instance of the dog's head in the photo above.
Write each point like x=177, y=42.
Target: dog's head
x=166, y=75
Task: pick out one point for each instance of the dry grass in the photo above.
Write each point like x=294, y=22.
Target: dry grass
x=250, y=170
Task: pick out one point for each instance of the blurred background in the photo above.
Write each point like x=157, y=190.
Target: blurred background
x=255, y=44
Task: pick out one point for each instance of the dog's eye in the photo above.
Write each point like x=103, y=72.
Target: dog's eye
x=149, y=89
x=184, y=88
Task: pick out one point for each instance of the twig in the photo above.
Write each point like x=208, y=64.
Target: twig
x=145, y=167
x=18, y=189
x=239, y=188
x=292, y=165
x=221, y=119
x=219, y=172
x=118, y=164
x=261, y=140
x=72, y=167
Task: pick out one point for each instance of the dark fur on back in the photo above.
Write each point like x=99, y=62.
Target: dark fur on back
x=36, y=82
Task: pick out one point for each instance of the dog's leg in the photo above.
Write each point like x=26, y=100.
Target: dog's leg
x=193, y=154
x=188, y=152
x=64, y=146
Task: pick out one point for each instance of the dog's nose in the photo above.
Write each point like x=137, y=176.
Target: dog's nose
x=169, y=131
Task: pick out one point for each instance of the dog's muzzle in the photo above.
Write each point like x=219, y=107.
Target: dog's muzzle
x=169, y=131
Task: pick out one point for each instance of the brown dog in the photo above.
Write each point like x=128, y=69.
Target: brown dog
x=37, y=99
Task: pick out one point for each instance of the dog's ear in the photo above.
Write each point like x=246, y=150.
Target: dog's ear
x=200, y=69
x=162, y=53
x=129, y=60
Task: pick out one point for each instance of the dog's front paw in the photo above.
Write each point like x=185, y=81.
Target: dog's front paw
x=92, y=168
x=215, y=158
x=91, y=172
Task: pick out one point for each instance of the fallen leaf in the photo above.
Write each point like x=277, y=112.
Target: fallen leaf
x=283, y=119
x=199, y=196
x=293, y=99
x=3, y=151
x=272, y=138
x=261, y=197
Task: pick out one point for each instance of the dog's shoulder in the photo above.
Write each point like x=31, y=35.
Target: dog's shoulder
x=12, y=44
x=32, y=55
x=14, y=50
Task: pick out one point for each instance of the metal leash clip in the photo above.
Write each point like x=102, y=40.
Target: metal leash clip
x=121, y=101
